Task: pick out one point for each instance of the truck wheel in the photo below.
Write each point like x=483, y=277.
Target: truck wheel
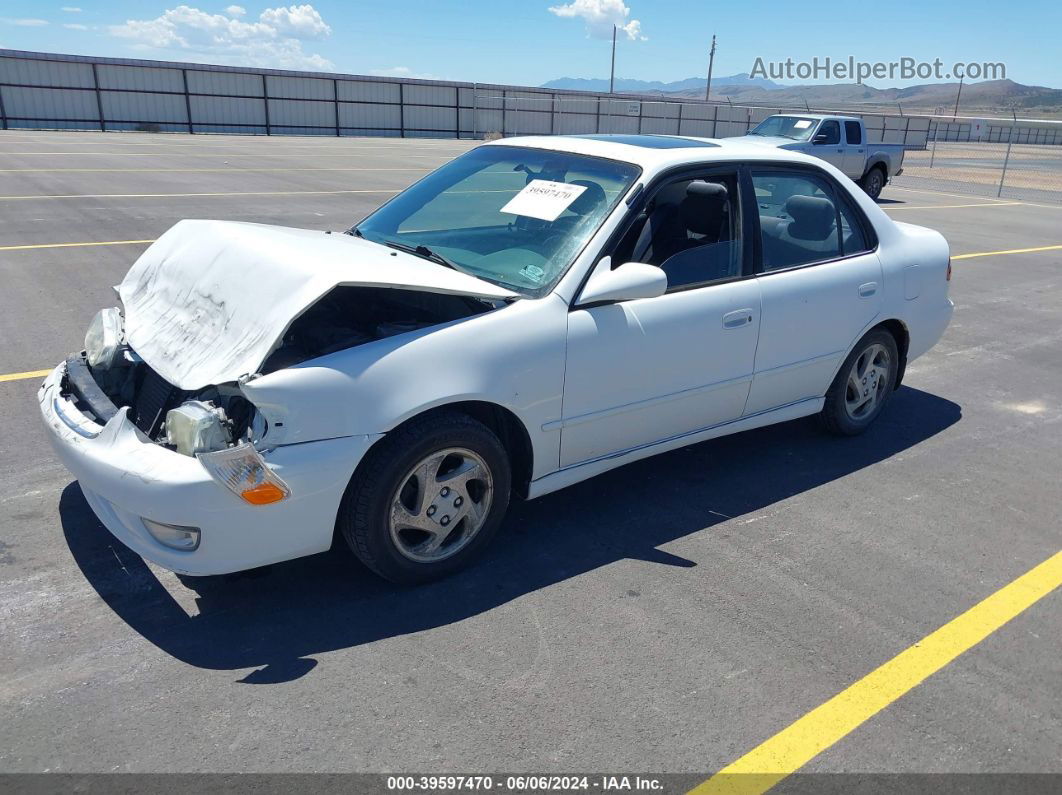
x=862, y=386
x=427, y=498
x=873, y=182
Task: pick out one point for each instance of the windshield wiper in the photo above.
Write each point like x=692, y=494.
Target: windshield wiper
x=424, y=252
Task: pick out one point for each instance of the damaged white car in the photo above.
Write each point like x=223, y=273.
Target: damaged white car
x=533, y=313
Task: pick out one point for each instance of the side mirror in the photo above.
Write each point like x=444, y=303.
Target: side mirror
x=819, y=139
x=627, y=282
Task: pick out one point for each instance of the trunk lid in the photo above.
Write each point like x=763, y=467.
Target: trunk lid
x=210, y=300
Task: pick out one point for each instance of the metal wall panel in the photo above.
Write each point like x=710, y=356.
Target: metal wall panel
x=50, y=103
x=298, y=87
x=430, y=95
x=139, y=78
x=301, y=113
x=366, y=91
x=371, y=116
x=527, y=122
x=143, y=107
x=659, y=126
x=575, y=123
x=26, y=71
x=422, y=118
x=230, y=83
x=227, y=110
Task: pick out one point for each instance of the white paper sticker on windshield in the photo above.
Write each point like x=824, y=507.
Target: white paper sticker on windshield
x=543, y=199
x=802, y=124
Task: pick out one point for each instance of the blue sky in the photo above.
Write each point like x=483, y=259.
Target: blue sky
x=532, y=41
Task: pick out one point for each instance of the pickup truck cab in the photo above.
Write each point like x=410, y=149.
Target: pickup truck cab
x=839, y=140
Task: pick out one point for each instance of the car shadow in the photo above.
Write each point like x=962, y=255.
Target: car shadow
x=274, y=619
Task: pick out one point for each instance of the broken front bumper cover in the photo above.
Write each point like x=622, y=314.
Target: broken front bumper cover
x=127, y=478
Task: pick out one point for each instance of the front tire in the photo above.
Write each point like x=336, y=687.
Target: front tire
x=873, y=182
x=427, y=499
x=862, y=386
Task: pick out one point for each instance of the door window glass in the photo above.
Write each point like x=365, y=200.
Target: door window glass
x=798, y=219
x=852, y=133
x=832, y=131
x=690, y=231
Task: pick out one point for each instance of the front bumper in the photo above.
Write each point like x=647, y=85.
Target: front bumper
x=125, y=476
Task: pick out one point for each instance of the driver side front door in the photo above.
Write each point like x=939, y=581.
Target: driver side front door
x=652, y=369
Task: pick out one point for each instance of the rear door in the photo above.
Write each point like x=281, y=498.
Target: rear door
x=855, y=152
x=820, y=283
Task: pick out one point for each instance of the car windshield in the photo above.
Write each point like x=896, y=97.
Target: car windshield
x=511, y=215
x=795, y=127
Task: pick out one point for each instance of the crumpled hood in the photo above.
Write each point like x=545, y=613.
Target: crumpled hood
x=210, y=300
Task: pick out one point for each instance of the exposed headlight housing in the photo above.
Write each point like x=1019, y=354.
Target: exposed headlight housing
x=103, y=340
x=195, y=427
x=244, y=472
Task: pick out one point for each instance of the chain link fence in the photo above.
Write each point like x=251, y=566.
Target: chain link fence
x=1011, y=161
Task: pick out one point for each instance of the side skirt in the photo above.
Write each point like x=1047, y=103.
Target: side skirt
x=588, y=469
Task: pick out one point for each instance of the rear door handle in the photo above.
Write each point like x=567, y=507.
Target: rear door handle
x=868, y=289
x=737, y=319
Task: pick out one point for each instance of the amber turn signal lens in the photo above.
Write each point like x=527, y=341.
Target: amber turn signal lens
x=263, y=494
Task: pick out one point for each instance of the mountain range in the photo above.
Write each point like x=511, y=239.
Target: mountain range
x=989, y=96
x=631, y=86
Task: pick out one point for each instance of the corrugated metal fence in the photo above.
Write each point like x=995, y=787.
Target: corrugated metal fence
x=49, y=91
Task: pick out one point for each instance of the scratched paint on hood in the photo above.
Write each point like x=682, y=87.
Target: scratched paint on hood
x=210, y=300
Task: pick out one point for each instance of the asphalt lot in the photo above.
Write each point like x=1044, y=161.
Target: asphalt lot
x=667, y=617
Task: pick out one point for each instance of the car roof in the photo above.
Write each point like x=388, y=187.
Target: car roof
x=648, y=152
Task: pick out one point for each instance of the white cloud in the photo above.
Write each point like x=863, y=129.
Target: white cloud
x=75, y=26
x=24, y=23
x=599, y=17
x=274, y=40
x=71, y=9
x=403, y=71
x=300, y=22
x=235, y=11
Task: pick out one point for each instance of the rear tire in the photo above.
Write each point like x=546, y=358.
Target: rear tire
x=873, y=182
x=862, y=386
x=427, y=499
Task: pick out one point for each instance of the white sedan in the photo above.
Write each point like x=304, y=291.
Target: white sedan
x=534, y=313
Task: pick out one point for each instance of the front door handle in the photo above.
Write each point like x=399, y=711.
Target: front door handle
x=737, y=319
x=868, y=289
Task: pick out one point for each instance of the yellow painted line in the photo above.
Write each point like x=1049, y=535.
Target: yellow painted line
x=24, y=376
x=952, y=206
x=1008, y=251
x=190, y=170
x=800, y=742
x=75, y=245
x=169, y=195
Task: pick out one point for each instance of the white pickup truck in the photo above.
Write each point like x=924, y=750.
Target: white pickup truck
x=839, y=140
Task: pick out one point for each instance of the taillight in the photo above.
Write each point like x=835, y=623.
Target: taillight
x=949, y=269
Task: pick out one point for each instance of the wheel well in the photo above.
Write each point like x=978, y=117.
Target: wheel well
x=903, y=341
x=509, y=430
x=880, y=166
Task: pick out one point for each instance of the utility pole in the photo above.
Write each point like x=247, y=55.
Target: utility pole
x=711, y=63
x=612, y=74
x=955, y=115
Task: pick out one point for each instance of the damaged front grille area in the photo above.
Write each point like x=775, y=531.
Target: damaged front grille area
x=154, y=397
x=100, y=393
